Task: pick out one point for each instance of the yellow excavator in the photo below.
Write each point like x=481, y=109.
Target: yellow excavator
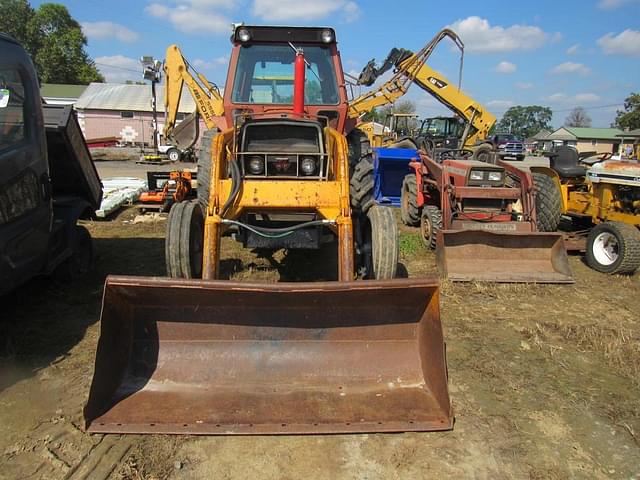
x=281, y=166
x=411, y=68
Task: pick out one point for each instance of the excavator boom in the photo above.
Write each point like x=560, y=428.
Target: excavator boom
x=412, y=68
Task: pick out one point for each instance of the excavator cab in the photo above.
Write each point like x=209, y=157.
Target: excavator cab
x=195, y=354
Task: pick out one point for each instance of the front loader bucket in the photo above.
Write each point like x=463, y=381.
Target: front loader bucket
x=217, y=357
x=477, y=255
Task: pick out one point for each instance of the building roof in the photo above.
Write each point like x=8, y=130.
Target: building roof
x=57, y=90
x=575, y=133
x=630, y=133
x=137, y=98
x=541, y=135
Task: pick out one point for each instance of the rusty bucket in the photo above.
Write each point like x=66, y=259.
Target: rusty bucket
x=216, y=357
x=518, y=257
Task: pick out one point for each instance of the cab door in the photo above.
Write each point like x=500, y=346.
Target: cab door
x=25, y=192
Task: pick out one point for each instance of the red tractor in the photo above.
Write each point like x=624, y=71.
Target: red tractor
x=484, y=219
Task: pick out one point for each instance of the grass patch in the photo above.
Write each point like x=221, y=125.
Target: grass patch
x=410, y=243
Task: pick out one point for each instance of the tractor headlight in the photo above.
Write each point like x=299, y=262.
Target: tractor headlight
x=327, y=36
x=495, y=176
x=244, y=35
x=308, y=166
x=476, y=175
x=256, y=165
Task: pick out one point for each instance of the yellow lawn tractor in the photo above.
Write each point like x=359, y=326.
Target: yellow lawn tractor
x=603, y=199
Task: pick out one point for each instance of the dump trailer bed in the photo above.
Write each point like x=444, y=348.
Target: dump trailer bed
x=71, y=168
x=217, y=357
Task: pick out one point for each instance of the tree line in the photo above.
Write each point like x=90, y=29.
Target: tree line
x=53, y=39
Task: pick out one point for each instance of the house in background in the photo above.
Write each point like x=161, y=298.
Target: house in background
x=600, y=140
x=539, y=142
x=124, y=112
x=57, y=94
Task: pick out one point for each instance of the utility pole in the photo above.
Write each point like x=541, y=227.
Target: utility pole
x=151, y=70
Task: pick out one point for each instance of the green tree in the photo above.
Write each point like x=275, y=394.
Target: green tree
x=53, y=39
x=630, y=116
x=525, y=121
x=380, y=114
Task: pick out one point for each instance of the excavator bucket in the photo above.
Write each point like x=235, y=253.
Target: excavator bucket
x=478, y=255
x=217, y=357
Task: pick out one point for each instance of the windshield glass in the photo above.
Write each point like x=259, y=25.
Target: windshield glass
x=442, y=127
x=265, y=75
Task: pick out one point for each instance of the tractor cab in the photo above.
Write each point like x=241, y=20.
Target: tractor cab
x=261, y=77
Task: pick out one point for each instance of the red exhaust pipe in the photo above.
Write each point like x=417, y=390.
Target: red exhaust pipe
x=298, y=83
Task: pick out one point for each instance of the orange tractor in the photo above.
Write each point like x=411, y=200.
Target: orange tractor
x=487, y=221
x=287, y=169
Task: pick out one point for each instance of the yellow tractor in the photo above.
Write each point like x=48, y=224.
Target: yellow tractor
x=285, y=168
x=602, y=197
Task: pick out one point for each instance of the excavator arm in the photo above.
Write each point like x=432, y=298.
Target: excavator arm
x=411, y=68
x=207, y=97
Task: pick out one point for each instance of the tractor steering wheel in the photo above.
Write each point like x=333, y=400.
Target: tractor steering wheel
x=456, y=154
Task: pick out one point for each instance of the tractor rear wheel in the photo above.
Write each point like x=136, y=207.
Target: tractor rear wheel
x=409, y=210
x=548, y=200
x=430, y=225
x=381, y=244
x=614, y=247
x=361, y=174
x=204, y=168
x=184, y=240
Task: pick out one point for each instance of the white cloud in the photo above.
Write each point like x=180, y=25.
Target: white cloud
x=568, y=68
x=524, y=85
x=119, y=69
x=479, y=36
x=506, y=67
x=288, y=10
x=573, y=49
x=625, y=43
x=611, y=4
x=580, y=98
x=505, y=104
x=216, y=62
x=194, y=16
x=108, y=30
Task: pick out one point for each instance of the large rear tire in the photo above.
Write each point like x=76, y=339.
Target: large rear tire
x=383, y=260
x=361, y=174
x=482, y=152
x=614, y=247
x=548, y=199
x=184, y=240
x=204, y=168
x=409, y=210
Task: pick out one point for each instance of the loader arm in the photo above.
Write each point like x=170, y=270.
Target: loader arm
x=412, y=68
x=207, y=97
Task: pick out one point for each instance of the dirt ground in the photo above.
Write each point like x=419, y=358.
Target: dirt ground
x=544, y=379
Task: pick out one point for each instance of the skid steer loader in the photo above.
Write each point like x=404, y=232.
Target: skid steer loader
x=194, y=354
x=485, y=220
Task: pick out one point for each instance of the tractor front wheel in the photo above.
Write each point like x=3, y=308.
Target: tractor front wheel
x=614, y=247
x=430, y=225
x=184, y=240
x=379, y=251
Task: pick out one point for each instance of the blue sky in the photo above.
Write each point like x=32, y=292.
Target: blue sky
x=558, y=53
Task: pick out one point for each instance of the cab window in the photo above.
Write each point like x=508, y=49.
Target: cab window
x=12, y=104
x=264, y=75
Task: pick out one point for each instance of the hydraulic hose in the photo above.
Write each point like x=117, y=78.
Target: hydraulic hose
x=277, y=232
x=235, y=186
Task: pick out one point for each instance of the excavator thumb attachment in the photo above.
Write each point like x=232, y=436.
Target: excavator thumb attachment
x=478, y=255
x=217, y=357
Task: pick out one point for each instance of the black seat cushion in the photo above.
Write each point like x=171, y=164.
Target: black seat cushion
x=564, y=161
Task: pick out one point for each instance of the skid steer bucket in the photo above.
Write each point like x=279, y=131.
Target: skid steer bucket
x=477, y=255
x=216, y=357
